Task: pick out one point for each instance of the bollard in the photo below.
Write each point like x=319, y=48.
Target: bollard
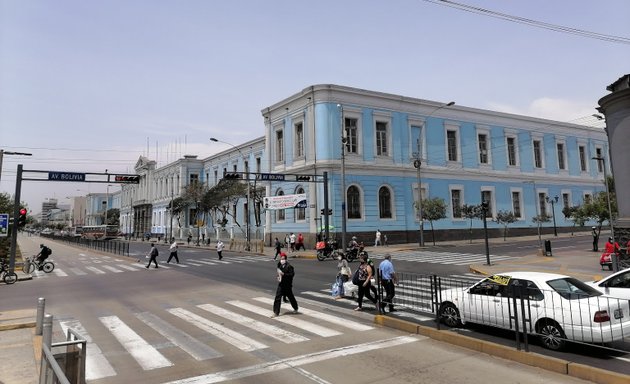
x=41, y=303
x=47, y=330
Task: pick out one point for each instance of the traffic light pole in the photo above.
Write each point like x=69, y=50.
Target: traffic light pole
x=326, y=216
x=16, y=214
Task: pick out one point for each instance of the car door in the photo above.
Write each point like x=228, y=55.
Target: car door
x=533, y=299
x=483, y=300
x=618, y=286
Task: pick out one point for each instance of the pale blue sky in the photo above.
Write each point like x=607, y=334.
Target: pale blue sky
x=96, y=79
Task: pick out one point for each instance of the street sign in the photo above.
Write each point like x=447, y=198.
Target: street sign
x=4, y=224
x=127, y=179
x=271, y=177
x=285, y=202
x=66, y=176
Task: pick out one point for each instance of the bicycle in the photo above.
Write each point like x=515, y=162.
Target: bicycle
x=7, y=277
x=31, y=264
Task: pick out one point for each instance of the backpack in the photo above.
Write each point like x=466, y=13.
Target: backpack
x=46, y=251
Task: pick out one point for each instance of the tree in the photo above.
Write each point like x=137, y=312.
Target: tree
x=193, y=195
x=223, y=195
x=113, y=216
x=471, y=212
x=505, y=218
x=570, y=213
x=433, y=209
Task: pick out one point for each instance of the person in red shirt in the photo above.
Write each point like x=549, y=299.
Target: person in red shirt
x=610, y=248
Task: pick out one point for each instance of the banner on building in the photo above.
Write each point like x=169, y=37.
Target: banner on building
x=285, y=202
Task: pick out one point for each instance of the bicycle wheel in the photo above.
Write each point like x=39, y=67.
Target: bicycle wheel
x=29, y=267
x=48, y=267
x=10, y=278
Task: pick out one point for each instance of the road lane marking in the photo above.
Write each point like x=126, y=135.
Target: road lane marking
x=59, y=272
x=198, y=350
x=77, y=271
x=297, y=361
x=127, y=267
x=235, y=338
x=96, y=365
x=95, y=270
x=267, y=329
x=113, y=269
x=292, y=320
x=146, y=355
x=356, y=326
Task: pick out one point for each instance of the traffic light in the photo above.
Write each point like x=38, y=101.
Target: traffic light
x=231, y=176
x=22, y=217
x=302, y=178
x=323, y=212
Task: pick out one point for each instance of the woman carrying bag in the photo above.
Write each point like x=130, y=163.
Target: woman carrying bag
x=343, y=275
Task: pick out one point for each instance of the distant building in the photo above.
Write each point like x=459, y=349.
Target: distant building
x=47, y=206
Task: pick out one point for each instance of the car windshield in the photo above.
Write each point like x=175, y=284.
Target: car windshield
x=571, y=288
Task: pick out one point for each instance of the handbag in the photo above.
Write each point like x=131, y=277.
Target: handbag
x=355, y=278
x=335, y=289
x=346, y=271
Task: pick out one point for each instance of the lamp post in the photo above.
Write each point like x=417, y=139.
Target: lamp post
x=484, y=208
x=343, y=178
x=247, y=221
x=553, y=212
x=417, y=163
x=610, y=214
x=537, y=214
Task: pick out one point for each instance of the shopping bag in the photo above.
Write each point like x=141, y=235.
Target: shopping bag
x=335, y=289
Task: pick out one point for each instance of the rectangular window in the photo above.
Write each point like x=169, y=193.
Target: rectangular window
x=194, y=178
x=537, y=154
x=351, y=135
x=246, y=166
x=560, y=148
x=511, y=151
x=483, y=148
x=516, y=204
x=381, y=138
x=600, y=165
x=258, y=165
x=582, y=151
x=279, y=146
x=565, y=200
x=456, y=203
x=192, y=218
x=299, y=140
x=451, y=139
x=542, y=204
x=487, y=196
x=216, y=176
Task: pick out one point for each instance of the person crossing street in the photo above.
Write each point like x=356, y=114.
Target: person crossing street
x=285, y=286
x=388, y=280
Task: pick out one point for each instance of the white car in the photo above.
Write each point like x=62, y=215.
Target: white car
x=616, y=285
x=559, y=308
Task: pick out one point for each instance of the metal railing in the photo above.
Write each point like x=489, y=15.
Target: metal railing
x=110, y=246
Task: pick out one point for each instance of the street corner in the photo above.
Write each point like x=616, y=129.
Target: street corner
x=17, y=319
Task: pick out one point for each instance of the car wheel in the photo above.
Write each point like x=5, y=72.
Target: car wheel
x=450, y=315
x=551, y=335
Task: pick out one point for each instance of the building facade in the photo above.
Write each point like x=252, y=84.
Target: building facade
x=396, y=149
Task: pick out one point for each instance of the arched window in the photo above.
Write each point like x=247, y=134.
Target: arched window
x=353, y=197
x=299, y=213
x=280, y=212
x=384, y=203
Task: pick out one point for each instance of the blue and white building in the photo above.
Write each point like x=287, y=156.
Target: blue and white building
x=466, y=155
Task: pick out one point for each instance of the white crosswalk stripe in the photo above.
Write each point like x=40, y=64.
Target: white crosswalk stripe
x=59, y=272
x=450, y=258
x=96, y=365
x=110, y=268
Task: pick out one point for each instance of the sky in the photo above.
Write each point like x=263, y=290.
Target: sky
x=87, y=86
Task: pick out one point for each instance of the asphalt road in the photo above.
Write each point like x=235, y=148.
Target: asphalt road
x=210, y=323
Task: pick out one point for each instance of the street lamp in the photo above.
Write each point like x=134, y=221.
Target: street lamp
x=344, y=140
x=610, y=214
x=553, y=212
x=537, y=214
x=247, y=221
x=484, y=208
x=417, y=163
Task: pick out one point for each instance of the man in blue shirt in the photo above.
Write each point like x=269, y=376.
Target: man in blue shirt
x=388, y=279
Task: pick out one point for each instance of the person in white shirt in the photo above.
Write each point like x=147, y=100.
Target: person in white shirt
x=377, y=240
x=220, y=247
x=173, y=249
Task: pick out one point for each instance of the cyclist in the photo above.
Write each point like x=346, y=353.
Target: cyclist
x=43, y=255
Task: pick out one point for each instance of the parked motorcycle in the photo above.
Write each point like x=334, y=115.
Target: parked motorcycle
x=326, y=249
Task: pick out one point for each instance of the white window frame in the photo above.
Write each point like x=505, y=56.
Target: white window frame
x=493, y=200
x=517, y=159
x=542, y=152
x=482, y=130
x=600, y=166
x=455, y=128
x=392, y=202
x=460, y=188
x=352, y=113
x=413, y=145
x=424, y=190
x=279, y=153
x=296, y=144
x=386, y=118
x=542, y=204
x=564, y=155
x=570, y=197
x=520, y=202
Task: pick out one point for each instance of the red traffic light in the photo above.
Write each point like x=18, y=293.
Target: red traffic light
x=23, y=211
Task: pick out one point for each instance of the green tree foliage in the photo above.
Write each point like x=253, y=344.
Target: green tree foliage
x=471, y=212
x=113, y=216
x=221, y=197
x=505, y=218
x=433, y=209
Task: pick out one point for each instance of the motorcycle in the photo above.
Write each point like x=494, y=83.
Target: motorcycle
x=353, y=253
x=326, y=249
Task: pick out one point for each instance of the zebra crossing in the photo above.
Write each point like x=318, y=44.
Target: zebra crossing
x=433, y=257
x=174, y=335
x=101, y=265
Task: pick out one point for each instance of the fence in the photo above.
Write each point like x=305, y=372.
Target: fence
x=110, y=246
x=564, y=310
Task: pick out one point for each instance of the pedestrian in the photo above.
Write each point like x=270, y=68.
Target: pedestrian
x=389, y=279
x=299, y=243
x=370, y=262
x=292, y=240
x=220, y=247
x=385, y=240
x=377, y=240
x=285, y=286
x=203, y=238
x=287, y=241
x=189, y=239
x=343, y=274
x=364, y=276
x=173, y=249
x=595, y=239
x=153, y=254
x=278, y=247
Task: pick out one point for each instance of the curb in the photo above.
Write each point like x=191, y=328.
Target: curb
x=569, y=368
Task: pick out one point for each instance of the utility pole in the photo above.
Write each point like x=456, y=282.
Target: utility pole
x=418, y=163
